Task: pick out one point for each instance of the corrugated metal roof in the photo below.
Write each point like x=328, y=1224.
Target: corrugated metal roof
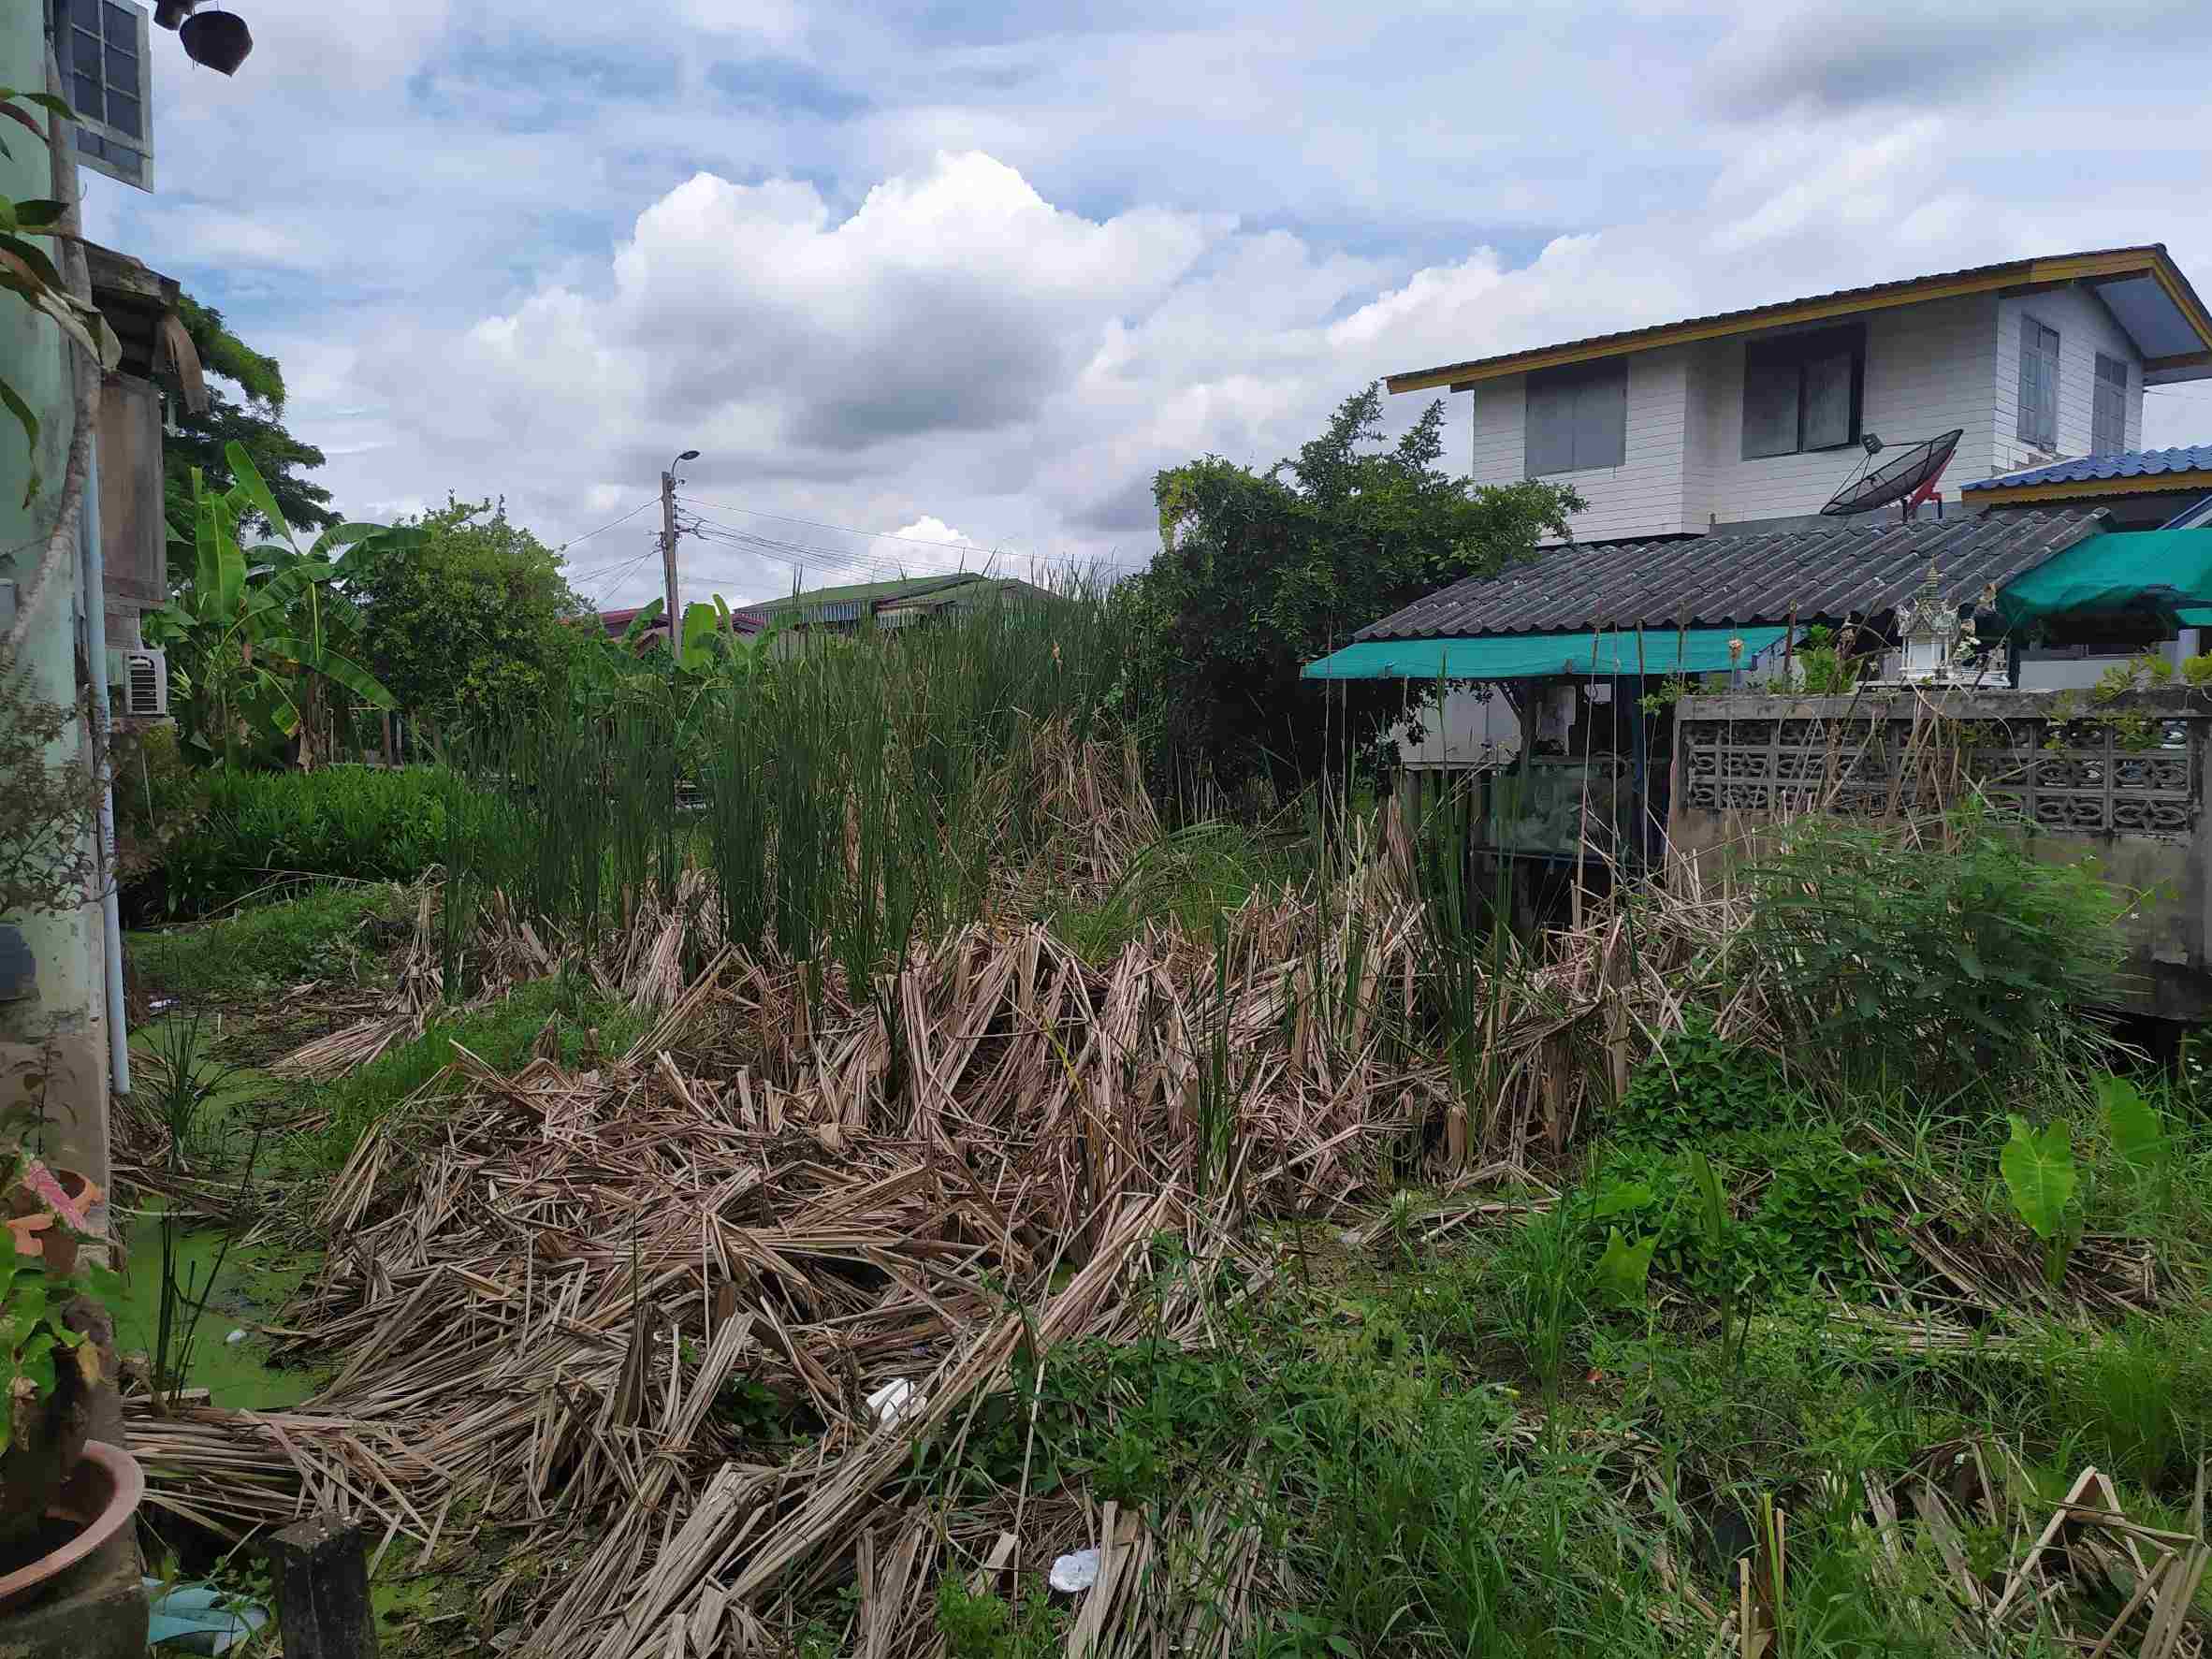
x=2089, y=469
x=1905, y=290
x=867, y=592
x=1724, y=579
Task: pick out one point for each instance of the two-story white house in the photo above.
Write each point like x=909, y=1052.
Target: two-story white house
x=1744, y=418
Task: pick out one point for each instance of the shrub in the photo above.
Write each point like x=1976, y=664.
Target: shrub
x=1933, y=961
x=1700, y=1086
x=354, y=822
x=1805, y=1223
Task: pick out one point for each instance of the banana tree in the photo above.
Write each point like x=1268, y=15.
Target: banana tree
x=259, y=633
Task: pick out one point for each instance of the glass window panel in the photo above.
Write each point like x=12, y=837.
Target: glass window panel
x=122, y=25
x=2113, y=370
x=1769, y=409
x=1828, y=402
x=123, y=72
x=123, y=114
x=84, y=52
x=85, y=99
x=126, y=161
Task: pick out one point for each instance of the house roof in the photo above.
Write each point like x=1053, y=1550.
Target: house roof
x=617, y=622
x=1767, y=577
x=2129, y=472
x=870, y=594
x=2144, y=290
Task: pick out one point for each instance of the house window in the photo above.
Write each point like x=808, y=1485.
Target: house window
x=1578, y=418
x=1803, y=392
x=2108, y=420
x=2039, y=385
x=102, y=49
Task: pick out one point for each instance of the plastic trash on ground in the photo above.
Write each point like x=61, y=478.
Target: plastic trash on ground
x=1072, y=1573
x=894, y=1400
x=199, y=1619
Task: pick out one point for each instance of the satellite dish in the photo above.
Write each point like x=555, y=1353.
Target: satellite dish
x=1910, y=478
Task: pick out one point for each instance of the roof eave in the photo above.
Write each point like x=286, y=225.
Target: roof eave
x=2151, y=261
x=2005, y=495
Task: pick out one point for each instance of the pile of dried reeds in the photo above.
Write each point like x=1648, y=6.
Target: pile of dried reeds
x=538, y=1285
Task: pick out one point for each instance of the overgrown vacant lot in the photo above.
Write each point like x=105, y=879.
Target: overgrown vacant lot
x=793, y=1225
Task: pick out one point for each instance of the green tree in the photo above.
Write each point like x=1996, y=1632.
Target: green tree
x=1263, y=571
x=472, y=621
x=254, y=424
x=261, y=639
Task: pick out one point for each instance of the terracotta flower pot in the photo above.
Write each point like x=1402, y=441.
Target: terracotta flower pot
x=95, y=1503
x=46, y=1209
x=43, y=1452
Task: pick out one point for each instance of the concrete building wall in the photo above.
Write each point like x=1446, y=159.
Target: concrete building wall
x=133, y=537
x=54, y=1023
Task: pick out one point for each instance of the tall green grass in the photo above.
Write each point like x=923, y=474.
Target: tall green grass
x=853, y=796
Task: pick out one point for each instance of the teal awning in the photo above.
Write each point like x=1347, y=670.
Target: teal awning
x=2164, y=571
x=1526, y=656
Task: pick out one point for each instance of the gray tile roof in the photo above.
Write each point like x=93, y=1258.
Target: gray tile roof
x=1736, y=579
x=2087, y=469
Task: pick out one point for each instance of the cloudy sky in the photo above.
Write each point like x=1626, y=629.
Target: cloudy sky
x=965, y=275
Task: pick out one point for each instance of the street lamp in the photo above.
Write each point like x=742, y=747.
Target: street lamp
x=668, y=555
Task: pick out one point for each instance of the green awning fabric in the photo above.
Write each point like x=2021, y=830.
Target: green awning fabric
x=1526, y=656
x=2167, y=573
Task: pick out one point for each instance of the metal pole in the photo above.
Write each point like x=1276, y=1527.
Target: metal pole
x=671, y=614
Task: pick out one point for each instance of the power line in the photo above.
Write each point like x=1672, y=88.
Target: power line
x=885, y=535
x=619, y=572
x=610, y=525
x=817, y=559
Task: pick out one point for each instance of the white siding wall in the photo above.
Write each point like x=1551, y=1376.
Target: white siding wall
x=2084, y=328
x=1929, y=368
x=1643, y=496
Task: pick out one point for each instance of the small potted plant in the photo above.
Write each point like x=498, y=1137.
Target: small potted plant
x=56, y=1504
x=50, y=1365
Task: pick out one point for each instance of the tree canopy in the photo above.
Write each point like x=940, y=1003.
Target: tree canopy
x=473, y=621
x=254, y=423
x=1262, y=571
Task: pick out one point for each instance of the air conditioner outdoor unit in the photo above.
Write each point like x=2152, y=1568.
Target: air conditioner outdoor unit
x=143, y=678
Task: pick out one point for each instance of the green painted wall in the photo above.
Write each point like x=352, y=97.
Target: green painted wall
x=65, y=1009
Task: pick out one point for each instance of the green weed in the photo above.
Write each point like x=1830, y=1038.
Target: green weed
x=324, y=933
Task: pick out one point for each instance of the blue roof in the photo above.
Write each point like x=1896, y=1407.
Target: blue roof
x=2089, y=469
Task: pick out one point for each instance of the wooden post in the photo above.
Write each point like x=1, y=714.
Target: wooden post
x=321, y=1572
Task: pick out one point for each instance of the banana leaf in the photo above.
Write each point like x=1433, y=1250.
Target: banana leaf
x=249, y=479
x=331, y=665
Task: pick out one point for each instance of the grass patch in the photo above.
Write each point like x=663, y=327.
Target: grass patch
x=323, y=934
x=501, y=1034
x=1186, y=878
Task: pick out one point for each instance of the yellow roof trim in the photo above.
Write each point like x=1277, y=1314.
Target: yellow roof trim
x=2066, y=268
x=2004, y=495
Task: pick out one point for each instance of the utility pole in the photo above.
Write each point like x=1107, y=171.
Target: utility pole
x=670, y=614
x=673, y=615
